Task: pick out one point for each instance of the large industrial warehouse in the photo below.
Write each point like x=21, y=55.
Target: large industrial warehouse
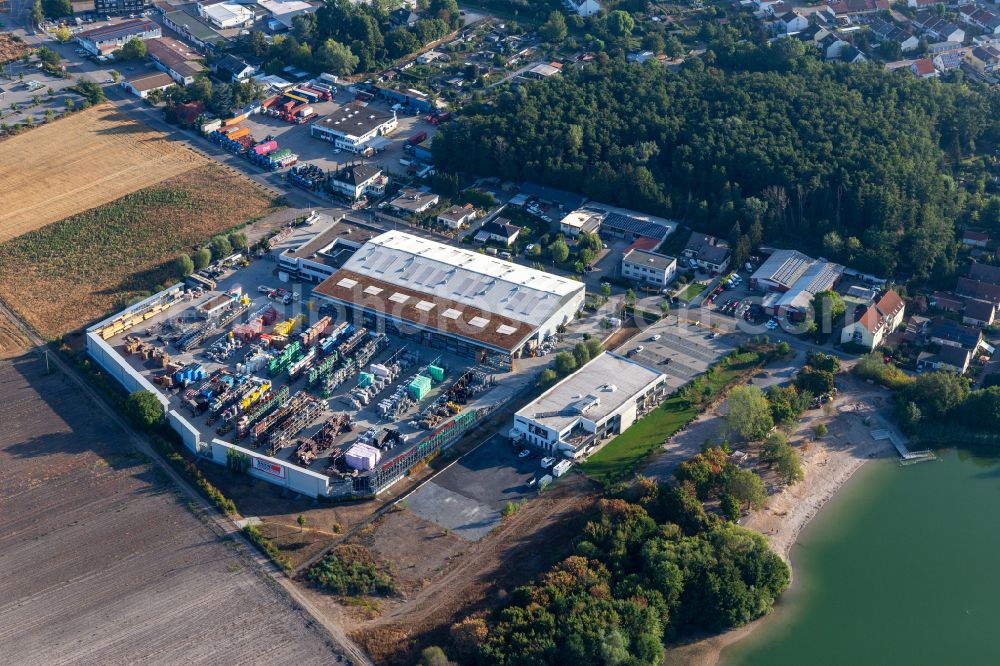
x=452, y=299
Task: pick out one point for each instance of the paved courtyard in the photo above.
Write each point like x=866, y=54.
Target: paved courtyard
x=468, y=498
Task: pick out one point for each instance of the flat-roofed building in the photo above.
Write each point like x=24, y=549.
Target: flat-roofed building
x=320, y=256
x=108, y=39
x=451, y=298
x=352, y=128
x=598, y=401
x=649, y=267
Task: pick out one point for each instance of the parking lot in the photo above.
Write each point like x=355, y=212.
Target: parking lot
x=680, y=349
x=29, y=92
x=468, y=497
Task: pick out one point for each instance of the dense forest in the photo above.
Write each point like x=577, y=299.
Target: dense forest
x=651, y=566
x=343, y=37
x=866, y=166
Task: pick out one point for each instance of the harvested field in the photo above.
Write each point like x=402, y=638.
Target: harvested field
x=69, y=273
x=103, y=562
x=10, y=49
x=83, y=161
x=12, y=341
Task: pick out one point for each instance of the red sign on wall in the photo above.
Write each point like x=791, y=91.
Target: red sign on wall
x=262, y=465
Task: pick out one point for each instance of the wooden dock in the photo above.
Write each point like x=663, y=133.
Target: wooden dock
x=904, y=453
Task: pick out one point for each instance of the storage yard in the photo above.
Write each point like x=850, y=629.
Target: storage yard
x=86, y=160
x=297, y=383
x=292, y=132
x=104, y=562
x=69, y=273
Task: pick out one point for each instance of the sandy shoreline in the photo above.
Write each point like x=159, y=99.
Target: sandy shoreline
x=828, y=464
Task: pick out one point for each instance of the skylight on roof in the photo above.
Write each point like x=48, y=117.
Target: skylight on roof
x=504, y=329
x=479, y=322
x=347, y=283
x=399, y=298
x=373, y=290
x=425, y=306
x=451, y=314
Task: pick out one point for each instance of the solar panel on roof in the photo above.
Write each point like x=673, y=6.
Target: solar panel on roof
x=462, y=285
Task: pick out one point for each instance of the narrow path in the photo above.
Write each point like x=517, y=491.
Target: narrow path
x=221, y=525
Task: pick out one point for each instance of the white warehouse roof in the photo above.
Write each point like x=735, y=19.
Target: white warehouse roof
x=593, y=392
x=459, y=275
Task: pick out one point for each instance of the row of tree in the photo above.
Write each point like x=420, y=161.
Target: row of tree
x=345, y=37
x=651, y=566
x=849, y=160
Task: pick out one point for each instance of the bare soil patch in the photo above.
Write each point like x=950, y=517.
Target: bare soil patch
x=69, y=273
x=104, y=563
x=443, y=578
x=10, y=49
x=85, y=160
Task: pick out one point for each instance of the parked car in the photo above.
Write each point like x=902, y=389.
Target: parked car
x=656, y=337
x=524, y=453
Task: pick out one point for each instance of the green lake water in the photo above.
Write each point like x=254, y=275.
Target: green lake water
x=901, y=567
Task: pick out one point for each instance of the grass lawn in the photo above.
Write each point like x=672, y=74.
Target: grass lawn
x=622, y=455
x=692, y=290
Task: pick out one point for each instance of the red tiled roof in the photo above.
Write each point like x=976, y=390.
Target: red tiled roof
x=890, y=303
x=870, y=319
x=923, y=67
x=643, y=243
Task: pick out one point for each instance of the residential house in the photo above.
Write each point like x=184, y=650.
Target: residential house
x=792, y=22
x=886, y=31
x=945, y=62
x=583, y=8
x=708, y=252
x=916, y=330
x=853, y=55
x=979, y=313
x=923, y=68
x=948, y=333
x=953, y=359
x=500, y=231
x=581, y=220
x=832, y=47
x=986, y=291
x=984, y=272
x=938, y=28
x=878, y=320
x=923, y=4
x=232, y=69
x=857, y=7
x=457, y=217
x=142, y=86
x=649, y=267
x=946, y=302
x=359, y=180
x=944, y=47
x=983, y=59
x=988, y=21
x=411, y=201
x=813, y=35
x=975, y=239
x=109, y=38
x=767, y=6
